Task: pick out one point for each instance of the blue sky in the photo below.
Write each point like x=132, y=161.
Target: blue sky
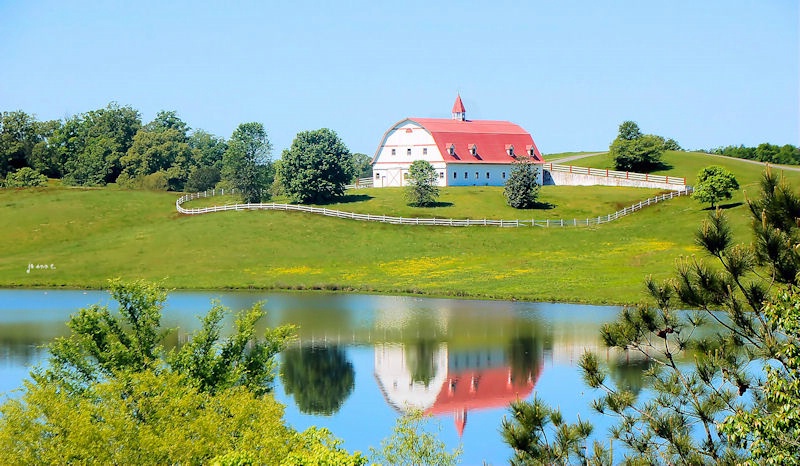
x=706, y=73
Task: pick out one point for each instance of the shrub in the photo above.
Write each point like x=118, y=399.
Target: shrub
x=25, y=177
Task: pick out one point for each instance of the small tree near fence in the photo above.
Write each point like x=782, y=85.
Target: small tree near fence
x=714, y=184
x=521, y=189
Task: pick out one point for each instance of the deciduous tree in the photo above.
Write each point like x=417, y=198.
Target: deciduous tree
x=634, y=151
x=714, y=184
x=316, y=168
x=18, y=136
x=412, y=443
x=246, y=164
x=25, y=177
x=112, y=394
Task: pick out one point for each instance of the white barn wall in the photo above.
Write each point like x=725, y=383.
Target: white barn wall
x=497, y=174
x=410, y=142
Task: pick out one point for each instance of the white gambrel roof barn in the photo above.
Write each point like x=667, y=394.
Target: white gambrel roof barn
x=463, y=152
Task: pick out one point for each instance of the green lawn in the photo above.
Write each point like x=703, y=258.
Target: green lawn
x=90, y=235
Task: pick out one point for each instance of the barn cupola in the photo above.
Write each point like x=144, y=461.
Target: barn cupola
x=459, y=113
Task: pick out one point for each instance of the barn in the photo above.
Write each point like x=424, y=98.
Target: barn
x=463, y=152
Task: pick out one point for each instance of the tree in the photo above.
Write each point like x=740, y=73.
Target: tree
x=714, y=184
x=411, y=443
x=18, y=136
x=246, y=162
x=634, y=151
x=25, y=177
x=671, y=144
x=770, y=431
x=208, y=149
x=521, y=189
x=422, y=189
x=111, y=393
x=719, y=409
x=155, y=150
x=629, y=131
x=44, y=157
x=362, y=166
x=202, y=178
x=316, y=168
x=532, y=425
x=92, y=144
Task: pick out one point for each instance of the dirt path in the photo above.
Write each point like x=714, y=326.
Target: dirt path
x=573, y=157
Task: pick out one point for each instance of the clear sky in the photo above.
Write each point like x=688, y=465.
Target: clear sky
x=706, y=73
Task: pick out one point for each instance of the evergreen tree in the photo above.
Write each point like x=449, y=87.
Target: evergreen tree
x=422, y=190
x=745, y=372
x=521, y=189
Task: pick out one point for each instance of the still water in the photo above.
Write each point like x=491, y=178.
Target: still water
x=361, y=360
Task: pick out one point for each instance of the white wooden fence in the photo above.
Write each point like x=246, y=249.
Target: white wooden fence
x=416, y=220
x=671, y=180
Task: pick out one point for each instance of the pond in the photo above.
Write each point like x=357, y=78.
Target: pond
x=361, y=360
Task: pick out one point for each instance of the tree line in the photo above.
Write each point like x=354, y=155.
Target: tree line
x=764, y=152
x=114, y=145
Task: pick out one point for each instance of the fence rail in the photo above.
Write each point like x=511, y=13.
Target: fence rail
x=361, y=183
x=417, y=220
x=671, y=180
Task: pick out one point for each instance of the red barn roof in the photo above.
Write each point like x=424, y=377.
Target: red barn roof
x=479, y=389
x=490, y=140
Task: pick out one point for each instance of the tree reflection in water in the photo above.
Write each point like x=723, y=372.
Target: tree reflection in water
x=628, y=373
x=525, y=354
x=320, y=378
x=422, y=360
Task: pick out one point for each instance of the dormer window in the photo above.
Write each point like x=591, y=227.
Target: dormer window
x=473, y=149
x=510, y=150
x=451, y=148
x=531, y=150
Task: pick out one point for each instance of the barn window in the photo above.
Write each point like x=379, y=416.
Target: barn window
x=510, y=150
x=465, y=175
x=405, y=175
x=530, y=152
x=487, y=175
x=477, y=175
x=394, y=151
x=424, y=151
x=504, y=175
x=451, y=149
x=473, y=149
x=408, y=152
x=441, y=175
x=377, y=175
x=455, y=175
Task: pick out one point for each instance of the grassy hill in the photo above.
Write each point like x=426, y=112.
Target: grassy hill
x=90, y=235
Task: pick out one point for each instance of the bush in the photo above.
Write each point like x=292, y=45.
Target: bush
x=202, y=179
x=25, y=177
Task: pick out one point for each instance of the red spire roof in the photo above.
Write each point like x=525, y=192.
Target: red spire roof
x=458, y=106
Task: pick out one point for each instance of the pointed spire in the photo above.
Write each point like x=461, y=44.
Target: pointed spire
x=459, y=113
x=460, y=418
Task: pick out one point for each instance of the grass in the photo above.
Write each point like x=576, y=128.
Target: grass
x=90, y=235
